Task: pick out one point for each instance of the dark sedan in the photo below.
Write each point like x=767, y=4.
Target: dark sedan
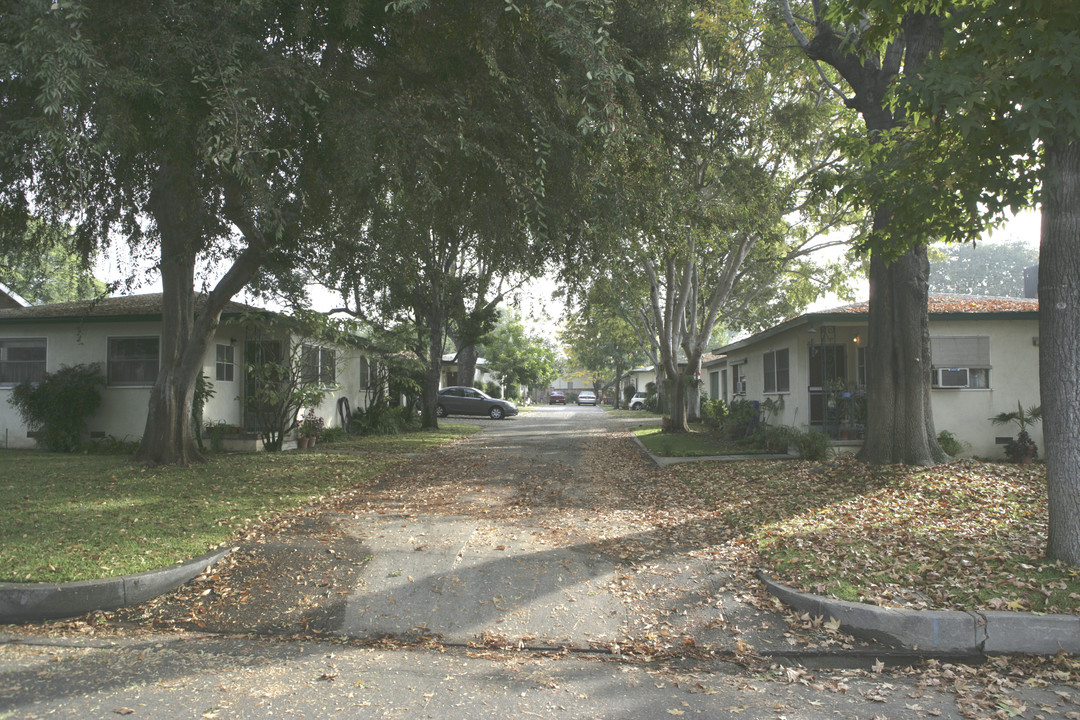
x=470, y=401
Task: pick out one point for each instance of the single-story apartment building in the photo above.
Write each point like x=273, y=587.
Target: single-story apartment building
x=810, y=371
x=123, y=335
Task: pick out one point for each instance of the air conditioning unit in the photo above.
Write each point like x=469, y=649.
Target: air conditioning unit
x=741, y=390
x=952, y=377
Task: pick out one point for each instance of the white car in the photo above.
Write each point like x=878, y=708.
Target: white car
x=587, y=397
x=638, y=401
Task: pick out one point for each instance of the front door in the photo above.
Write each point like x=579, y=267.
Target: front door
x=828, y=367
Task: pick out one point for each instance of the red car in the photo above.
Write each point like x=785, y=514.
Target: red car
x=556, y=397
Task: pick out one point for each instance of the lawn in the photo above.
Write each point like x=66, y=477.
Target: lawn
x=411, y=442
x=81, y=517
x=967, y=535
x=699, y=442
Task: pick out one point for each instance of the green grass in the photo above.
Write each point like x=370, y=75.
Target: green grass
x=967, y=535
x=81, y=517
x=696, y=443
x=411, y=442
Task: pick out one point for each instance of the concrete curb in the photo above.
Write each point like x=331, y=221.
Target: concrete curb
x=944, y=631
x=666, y=461
x=31, y=602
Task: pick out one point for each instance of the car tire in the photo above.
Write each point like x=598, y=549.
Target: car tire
x=496, y=413
x=440, y=411
x=635, y=406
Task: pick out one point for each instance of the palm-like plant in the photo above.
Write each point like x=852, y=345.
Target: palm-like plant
x=1023, y=448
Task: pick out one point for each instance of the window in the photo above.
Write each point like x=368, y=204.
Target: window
x=714, y=385
x=723, y=383
x=225, y=363
x=960, y=362
x=133, y=361
x=317, y=366
x=776, y=371
x=738, y=380
x=22, y=359
x=860, y=367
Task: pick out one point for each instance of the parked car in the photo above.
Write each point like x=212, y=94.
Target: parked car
x=556, y=397
x=461, y=400
x=638, y=401
x=586, y=397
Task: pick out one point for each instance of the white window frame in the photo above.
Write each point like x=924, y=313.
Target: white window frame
x=774, y=376
x=323, y=370
x=35, y=374
x=110, y=363
x=224, y=367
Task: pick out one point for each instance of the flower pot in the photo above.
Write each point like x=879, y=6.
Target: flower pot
x=304, y=442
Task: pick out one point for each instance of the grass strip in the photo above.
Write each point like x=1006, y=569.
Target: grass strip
x=696, y=443
x=966, y=535
x=410, y=442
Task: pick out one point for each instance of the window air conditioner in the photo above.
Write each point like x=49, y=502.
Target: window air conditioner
x=952, y=377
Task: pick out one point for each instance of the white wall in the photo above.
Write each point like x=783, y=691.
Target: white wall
x=965, y=413
x=123, y=409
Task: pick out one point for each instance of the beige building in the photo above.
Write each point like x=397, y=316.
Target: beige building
x=810, y=371
x=123, y=336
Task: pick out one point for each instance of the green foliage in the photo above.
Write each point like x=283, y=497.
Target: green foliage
x=518, y=358
x=44, y=267
x=811, y=444
x=714, y=412
x=493, y=389
x=628, y=393
x=333, y=434
x=384, y=420
x=311, y=425
x=113, y=445
x=1021, y=448
x=773, y=438
x=59, y=405
x=741, y=416
x=949, y=443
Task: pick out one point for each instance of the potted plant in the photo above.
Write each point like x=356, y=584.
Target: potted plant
x=1022, y=449
x=311, y=426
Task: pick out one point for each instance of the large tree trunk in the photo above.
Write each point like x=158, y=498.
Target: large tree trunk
x=177, y=208
x=467, y=357
x=1059, y=345
x=429, y=419
x=900, y=424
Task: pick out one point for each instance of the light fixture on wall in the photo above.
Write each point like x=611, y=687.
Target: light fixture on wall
x=858, y=340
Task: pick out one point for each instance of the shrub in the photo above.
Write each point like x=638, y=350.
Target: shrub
x=384, y=420
x=628, y=393
x=741, y=416
x=714, y=411
x=334, y=434
x=571, y=397
x=775, y=438
x=949, y=443
x=493, y=389
x=58, y=406
x=811, y=445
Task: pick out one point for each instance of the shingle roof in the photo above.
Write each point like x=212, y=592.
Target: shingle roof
x=941, y=303
x=129, y=306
